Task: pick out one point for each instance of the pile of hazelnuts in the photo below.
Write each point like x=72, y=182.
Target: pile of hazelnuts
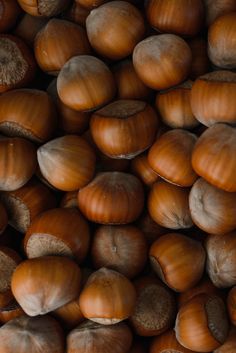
x=117, y=176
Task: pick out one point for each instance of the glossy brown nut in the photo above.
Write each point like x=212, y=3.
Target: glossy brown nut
x=168, y=206
x=48, y=234
x=17, y=163
x=154, y=64
x=57, y=42
x=182, y=17
x=85, y=83
x=213, y=96
x=44, y=8
x=112, y=198
x=45, y=283
x=167, y=342
x=205, y=314
x=114, y=246
x=17, y=64
x=221, y=41
x=73, y=159
x=28, y=113
x=41, y=178
x=124, y=128
x=32, y=335
x=173, y=255
x=92, y=337
x=215, y=148
x=220, y=264
x=25, y=203
x=212, y=209
x=174, y=107
x=108, y=297
x=114, y=29
x=170, y=157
